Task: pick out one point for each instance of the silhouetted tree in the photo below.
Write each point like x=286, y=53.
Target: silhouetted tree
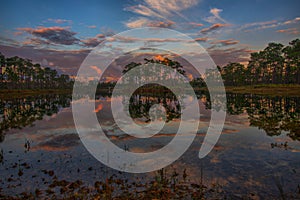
x=19, y=73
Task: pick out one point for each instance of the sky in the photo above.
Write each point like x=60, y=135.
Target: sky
x=60, y=34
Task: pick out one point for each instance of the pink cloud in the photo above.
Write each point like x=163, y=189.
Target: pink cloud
x=100, y=36
x=143, y=22
x=92, y=26
x=91, y=42
x=292, y=31
x=98, y=70
x=226, y=42
x=213, y=27
x=18, y=33
x=59, y=21
x=194, y=24
x=216, y=16
x=203, y=39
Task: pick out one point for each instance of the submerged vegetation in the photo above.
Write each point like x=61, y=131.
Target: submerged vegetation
x=164, y=185
x=161, y=184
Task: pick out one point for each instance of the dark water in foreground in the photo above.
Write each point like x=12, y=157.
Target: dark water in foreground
x=257, y=155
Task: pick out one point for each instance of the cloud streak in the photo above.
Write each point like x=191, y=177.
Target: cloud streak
x=226, y=42
x=267, y=24
x=92, y=26
x=144, y=11
x=60, y=21
x=194, y=24
x=158, y=9
x=203, y=39
x=168, y=8
x=290, y=31
x=213, y=28
x=97, y=70
x=144, y=22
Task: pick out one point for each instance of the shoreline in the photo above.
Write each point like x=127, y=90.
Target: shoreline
x=17, y=93
x=269, y=90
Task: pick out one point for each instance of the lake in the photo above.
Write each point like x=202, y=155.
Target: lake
x=256, y=157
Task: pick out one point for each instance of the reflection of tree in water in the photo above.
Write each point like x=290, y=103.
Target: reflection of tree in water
x=141, y=102
x=272, y=114
x=1, y=156
x=21, y=112
x=275, y=114
x=1, y=136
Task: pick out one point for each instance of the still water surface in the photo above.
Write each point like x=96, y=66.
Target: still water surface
x=257, y=155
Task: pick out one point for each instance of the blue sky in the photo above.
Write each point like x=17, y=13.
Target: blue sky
x=54, y=30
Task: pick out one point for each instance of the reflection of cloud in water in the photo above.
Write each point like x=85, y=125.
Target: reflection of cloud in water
x=228, y=131
x=215, y=158
x=58, y=143
x=240, y=120
x=47, y=118
x=98, y=108
x=295, y=150
x=138, y=150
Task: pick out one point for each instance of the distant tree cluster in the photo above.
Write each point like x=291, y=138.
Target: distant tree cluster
x=276, y=64
x=157, y=60
x=19, y=73
x=149, y=73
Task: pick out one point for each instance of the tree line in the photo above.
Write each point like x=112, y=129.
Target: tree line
x=276, y=64
x=20, y=73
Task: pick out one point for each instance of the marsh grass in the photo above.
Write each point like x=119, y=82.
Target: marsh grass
x=164, y=185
